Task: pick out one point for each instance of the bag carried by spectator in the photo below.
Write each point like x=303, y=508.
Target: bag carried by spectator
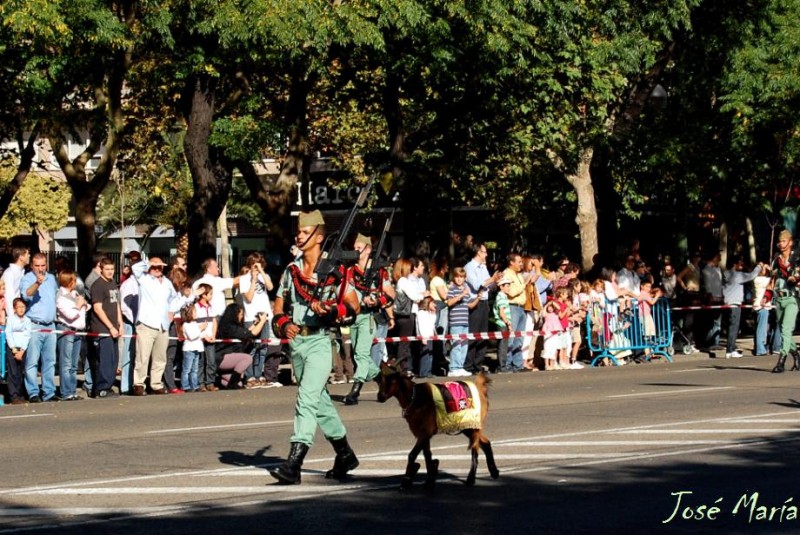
x=402, y=304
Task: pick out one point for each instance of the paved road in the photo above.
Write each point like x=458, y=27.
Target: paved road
x=588, y=451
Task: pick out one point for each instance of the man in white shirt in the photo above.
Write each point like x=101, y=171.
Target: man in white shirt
x=152, y=325
x=20, y=257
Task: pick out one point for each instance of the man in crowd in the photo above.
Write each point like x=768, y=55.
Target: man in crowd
x=479, y=282
x=516, y=297
x=712, y=282
x=106, y=320
x=38, y=289
x=12, y=276
x=152, y=329
x=303, y=315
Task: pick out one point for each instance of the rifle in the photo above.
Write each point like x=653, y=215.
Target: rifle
x=374, y=264
x=333, y=253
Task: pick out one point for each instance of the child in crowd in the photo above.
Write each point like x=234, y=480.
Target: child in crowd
x=577, y=319
x=459, y=305
x=71, y=309
x=193, y=347
x=426, y=327
x=18, y=336
x=553, y=329
x=647, y=298
x=563, y=298
x=208, y=326
x=502, y=318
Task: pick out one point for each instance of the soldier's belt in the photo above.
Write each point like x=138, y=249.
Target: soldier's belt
x=785, y=293
x=305, y=330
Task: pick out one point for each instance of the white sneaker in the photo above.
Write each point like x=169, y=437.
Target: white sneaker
x=576, y=366
x=338, y=382
x=273, y=384
x=733, y=355
x=454, y=373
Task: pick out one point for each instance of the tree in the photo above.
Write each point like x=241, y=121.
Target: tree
x=41, y=201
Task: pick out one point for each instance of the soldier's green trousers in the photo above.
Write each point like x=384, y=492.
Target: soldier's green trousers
x=311, y=358
x=362, y=332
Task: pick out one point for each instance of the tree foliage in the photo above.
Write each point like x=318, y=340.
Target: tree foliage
x=42, y=200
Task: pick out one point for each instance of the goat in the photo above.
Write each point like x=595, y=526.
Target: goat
x=419, y=410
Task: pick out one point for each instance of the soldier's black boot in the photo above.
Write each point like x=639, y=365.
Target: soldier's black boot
x=288, y=473
x=345, y=459
x=796, y=359
x=352, y=397
x=779, y=367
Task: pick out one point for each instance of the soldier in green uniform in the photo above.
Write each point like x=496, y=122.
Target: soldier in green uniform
x=786, y=275
x=303, y=315
x=373, y=295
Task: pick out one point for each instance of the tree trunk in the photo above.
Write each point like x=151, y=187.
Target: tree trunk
x=393, y=112
x=211, y=175
x=581, y=180
x=85, y=198
x=27, y=152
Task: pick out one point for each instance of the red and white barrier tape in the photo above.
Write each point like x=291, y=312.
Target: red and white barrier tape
x=497, y=335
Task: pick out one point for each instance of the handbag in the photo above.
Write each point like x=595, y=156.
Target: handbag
x=402, y=304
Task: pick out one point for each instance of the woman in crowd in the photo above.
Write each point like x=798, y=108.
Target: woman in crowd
x=438, y=289
x=233, y=352
x=71, y=309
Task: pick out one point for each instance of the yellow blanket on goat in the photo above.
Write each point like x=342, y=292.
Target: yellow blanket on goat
x=458, y=406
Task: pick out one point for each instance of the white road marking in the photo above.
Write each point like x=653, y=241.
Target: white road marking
x=119, y=491
x=707, y=431
x=694, y=370
x=669, y=392
x=510, y=457
x=599, y=443
x=210, y=427
x=766, y=421
x=23, y=416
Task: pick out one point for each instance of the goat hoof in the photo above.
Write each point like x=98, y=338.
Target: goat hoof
x=470, y=480
x=494, y=472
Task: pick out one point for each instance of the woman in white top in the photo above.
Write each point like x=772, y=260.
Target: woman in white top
x=254, y=285
x=71, y=309
x=408, y=274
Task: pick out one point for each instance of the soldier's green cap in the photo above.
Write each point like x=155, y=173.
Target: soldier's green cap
x=310, y=219
x=363, y=239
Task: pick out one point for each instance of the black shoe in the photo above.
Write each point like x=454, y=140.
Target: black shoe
x=345, y=460
x=779, y=367
x=355, y=392
x=35, y=399
x=288, y=473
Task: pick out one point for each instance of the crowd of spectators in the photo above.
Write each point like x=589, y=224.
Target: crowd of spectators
x=155, y=331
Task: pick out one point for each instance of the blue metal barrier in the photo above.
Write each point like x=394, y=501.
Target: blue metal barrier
x=613, y=332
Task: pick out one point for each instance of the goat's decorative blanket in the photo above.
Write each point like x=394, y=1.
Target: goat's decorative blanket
x=458, y=406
